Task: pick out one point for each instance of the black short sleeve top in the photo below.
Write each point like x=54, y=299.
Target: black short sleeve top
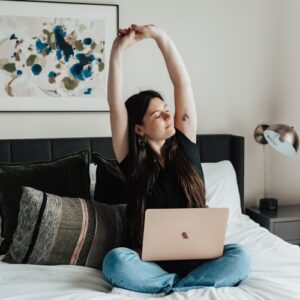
x=167, y=193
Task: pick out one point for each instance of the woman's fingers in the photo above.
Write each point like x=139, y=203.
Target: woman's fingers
x=137, y=27
x=123, y=31
x=133, y=27
x=131, y=35
x=141, y=27
x=127, y=38
x=145, y=31
x=134, y=36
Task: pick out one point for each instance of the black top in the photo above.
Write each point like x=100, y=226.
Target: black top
x=167, y=193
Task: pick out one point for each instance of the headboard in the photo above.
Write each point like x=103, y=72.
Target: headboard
x=212, y=147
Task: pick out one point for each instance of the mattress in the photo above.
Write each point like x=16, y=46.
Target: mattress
x=275, y=274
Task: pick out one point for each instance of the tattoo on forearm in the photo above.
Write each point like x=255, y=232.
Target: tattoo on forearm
x=185, y=116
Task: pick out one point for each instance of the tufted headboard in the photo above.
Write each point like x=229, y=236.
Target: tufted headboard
x=212, y=147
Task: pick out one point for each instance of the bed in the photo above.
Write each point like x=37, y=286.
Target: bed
x=275, y=263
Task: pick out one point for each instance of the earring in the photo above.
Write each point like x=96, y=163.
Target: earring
x=142, y=141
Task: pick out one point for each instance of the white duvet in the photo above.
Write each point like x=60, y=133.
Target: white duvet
x=275, y=274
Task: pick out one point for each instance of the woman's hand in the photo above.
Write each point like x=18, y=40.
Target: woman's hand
x=147, y=31
x=125, y=39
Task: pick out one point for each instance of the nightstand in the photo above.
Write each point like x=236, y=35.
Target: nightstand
x=284, y=222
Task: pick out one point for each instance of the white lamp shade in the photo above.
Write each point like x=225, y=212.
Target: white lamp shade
x=284, y=147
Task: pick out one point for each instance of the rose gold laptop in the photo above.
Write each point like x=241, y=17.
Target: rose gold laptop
x=184, y=233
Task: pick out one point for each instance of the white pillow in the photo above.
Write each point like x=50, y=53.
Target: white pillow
x=93, y=169
x=222, y=188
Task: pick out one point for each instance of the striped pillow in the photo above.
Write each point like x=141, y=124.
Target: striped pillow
x=54, y=230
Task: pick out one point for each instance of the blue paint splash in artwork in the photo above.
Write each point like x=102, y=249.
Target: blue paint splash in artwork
x=40, y=46
x=81, y=73
x=88, y=91
x=84, y=59
x=52, y=74
x=61, y=44
x=58, y=54
x=36, y=69
x=87, y=41
x=83, y=69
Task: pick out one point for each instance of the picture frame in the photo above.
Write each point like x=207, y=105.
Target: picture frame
x=54, y=56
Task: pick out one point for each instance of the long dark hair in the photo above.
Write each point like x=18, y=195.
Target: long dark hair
x=146, y=168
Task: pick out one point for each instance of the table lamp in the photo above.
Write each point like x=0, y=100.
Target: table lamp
x=282, y=138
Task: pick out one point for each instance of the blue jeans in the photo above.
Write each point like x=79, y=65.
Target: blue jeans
x=123, y=268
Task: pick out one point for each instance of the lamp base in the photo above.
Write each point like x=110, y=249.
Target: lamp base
x=268, y=204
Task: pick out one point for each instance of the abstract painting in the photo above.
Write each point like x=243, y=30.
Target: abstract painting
x=54, y=56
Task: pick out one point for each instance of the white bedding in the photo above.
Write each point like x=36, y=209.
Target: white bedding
x=275, y=274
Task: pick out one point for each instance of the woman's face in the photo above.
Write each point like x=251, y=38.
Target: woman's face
x=158, y=123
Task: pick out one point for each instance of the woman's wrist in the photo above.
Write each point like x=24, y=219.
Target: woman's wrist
x=117, y=50
x=160, y=35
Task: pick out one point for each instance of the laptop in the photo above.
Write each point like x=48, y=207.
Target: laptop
x=184, y=233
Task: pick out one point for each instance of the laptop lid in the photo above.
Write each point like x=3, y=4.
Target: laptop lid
x=184, y=233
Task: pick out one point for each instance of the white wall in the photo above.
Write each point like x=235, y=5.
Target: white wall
x=230, y=49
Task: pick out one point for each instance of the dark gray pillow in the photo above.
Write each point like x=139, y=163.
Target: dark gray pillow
x=110, y=182
x=55, y=230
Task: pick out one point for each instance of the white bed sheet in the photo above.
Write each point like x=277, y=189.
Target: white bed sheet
x=275, y=275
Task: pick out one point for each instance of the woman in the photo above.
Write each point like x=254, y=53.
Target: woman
x=159, y=157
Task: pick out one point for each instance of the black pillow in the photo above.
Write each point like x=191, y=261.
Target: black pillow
x=67, y=176
x=110, y=182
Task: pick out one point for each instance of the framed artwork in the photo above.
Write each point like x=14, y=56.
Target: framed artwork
x=54, y=56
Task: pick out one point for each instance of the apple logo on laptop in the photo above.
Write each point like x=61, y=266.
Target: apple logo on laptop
x=184, y=235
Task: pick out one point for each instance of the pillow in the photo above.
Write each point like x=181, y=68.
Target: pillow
x=222, y=188
x=55, y=230
x=66, y=176
x=110, y=182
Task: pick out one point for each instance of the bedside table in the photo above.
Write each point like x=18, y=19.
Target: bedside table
x=284, y=222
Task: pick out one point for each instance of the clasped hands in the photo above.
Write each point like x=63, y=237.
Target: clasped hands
x=129, y=36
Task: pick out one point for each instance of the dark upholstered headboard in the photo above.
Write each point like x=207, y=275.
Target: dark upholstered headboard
x=212, y=147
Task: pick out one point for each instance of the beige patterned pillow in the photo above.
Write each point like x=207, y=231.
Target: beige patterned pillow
x=55, y=230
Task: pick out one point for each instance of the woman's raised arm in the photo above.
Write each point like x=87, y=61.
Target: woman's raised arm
x=185, y=110
x=118, y=112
